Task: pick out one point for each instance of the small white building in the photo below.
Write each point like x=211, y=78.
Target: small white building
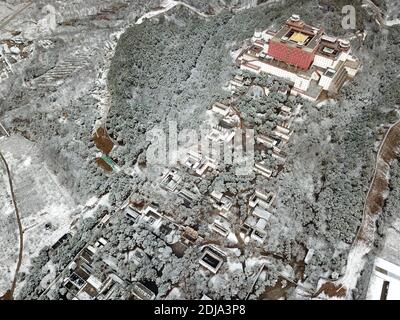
x=132, y=213
x=211, y=260
x=221, y=135
x=221, y=227
x=262, y=199
x=282, y=132
x=266, y=140
x=199, y=163
x=152, y=216
x=236, y=83
x=220, y=202
x=261, y=168
x=170, y=180
x=309, y=256
x=221, y=109
x=385, y=281
x=262, y=213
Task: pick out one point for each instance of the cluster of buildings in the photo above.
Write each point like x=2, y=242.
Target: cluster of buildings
x=275, y=140
x=164, y=225
x=82, y=282
x=261, y=203
x=254, y=226
x=150, y=214
x=171, y=181
x=260, y=211
x=311, y=60
x=85, y=279
x=220, y=203
x=211, y=257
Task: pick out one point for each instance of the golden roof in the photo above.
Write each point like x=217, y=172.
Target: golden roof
x=299, y=37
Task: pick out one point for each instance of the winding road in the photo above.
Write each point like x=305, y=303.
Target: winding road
x=10, y=294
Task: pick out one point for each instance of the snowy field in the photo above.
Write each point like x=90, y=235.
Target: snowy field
x=392, y=15
x=45, y=207
x=8, y=234
x=6, y=10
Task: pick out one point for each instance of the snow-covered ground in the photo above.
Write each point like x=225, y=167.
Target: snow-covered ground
x=166, y=6
x=174, y=294
x=8, y=235
x=355, y=265
x=392, y=15
x=5, y=10
x=101, y=94
x=393, y=22
x=391, y=247
x=234, y=265
x=47, y=210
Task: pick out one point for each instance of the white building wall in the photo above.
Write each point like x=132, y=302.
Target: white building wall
x=265, y=67
x=351, y=72
x=266, y=36
x=265, y=49
x=245, y=67
x=322, y=62
x=297, y=93
x=325, y=82
x=343, y=56
x=301, y=83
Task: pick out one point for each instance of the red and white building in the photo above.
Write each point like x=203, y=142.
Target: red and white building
x=304, y=55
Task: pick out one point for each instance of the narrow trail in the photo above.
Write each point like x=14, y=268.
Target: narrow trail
x=4, y=129
x=166, y=6
x=374, y=202
x=10, y=294
x=11, y=17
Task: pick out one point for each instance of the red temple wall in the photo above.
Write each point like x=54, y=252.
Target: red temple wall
x=290, y=55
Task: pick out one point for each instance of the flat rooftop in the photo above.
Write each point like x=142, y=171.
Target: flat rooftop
x=297, y=33
x=299, y=37
x=331, y=48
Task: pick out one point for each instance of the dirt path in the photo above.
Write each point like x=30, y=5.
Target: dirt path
x=10, y=294
x=374, y=201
